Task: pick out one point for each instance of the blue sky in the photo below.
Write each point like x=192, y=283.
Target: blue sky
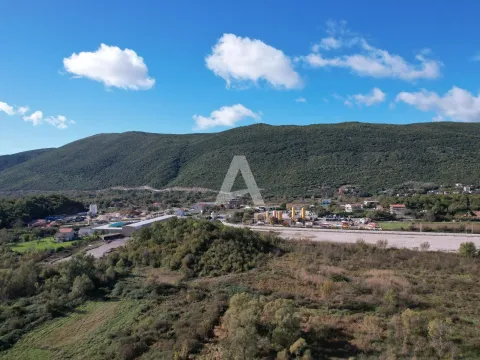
x=209, y=66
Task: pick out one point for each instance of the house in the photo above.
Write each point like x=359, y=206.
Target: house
x=85, y=231
x=353, y=207
x=202, y=207
x=65, y=234
x=398, y=209
x=370, y=203
x=233, y=203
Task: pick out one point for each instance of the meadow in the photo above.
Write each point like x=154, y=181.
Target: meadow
x=39, y=245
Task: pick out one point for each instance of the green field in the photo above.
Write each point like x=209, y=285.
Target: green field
x=80, y=335
x=38, y=245
x=432, y=226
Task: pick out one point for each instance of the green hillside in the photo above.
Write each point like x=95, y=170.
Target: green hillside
x=7, y=161
x=294, y=160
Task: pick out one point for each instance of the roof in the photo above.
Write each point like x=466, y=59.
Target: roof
x=65, y=230
x=397, y=205
x=150, y=221
x=106, y=227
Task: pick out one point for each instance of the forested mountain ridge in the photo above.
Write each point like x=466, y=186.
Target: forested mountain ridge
x=294, y=160
x=7, y=161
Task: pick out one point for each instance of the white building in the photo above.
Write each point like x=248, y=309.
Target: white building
x=398, y=209
x=129, y=229
x=353, y=207
x=93, y=210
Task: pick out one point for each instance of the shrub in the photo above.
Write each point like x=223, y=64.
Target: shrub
x=468, y=249
x=425, y=246
x=382, y=244
x=439, y=332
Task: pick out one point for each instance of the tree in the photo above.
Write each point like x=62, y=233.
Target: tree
x=82, y=285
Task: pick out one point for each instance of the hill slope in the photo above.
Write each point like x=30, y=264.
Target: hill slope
x=7, y=161
x=293, y=160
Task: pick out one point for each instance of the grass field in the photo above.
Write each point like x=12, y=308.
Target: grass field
x=81, y=335
x=36, y=245
x=432, y=226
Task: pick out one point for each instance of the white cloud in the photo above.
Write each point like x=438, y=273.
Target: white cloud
x=35, y=118
x=243, y=61
x=225, y=116
x=111, y=66
x=60, y=121
x=7, y=109
x=376, y=96
x=368, y=60
x=301, y=100
x=457, y=104
x=22, y=110
x=328, y=43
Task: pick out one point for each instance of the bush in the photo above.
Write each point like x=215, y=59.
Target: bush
x=468, y=249
x=382, y=244
x=425, y=246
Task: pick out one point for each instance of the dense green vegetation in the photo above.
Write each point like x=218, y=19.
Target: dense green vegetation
x=7, y=161
x=197, y=248
x=223, y=293
x=285, y=160
x=437, y=207
x=18, y=212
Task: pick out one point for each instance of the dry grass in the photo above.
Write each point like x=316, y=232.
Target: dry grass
x=383, y=280
x=78, y=329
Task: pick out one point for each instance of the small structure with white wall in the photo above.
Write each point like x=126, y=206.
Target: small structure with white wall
x=93, y=210
x=350, y=208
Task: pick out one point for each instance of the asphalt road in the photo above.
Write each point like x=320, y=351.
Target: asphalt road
x=101, y=250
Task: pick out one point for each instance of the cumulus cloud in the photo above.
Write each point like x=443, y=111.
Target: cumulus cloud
x=225, y=116
x=245, y=61
x=376, y=96
x=35, y=118
x=301, y=100
x=368, y=60
x=7, y=109
x=457, y=104
x=111, y=66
